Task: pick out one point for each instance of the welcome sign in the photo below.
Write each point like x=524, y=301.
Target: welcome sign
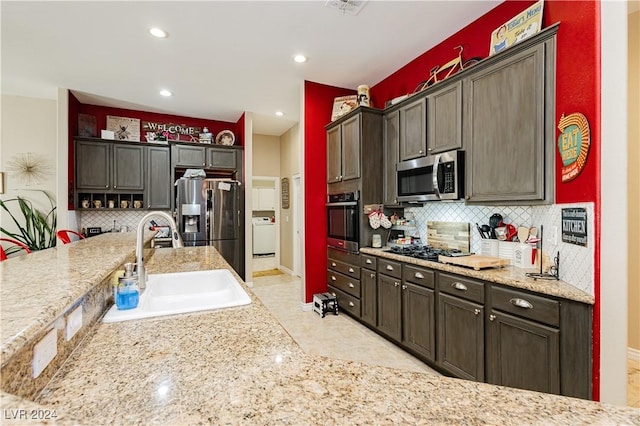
x=573, y=144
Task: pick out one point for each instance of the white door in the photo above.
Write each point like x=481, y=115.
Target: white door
x=297, y=225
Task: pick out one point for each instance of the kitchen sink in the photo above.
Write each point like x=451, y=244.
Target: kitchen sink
x=182, y=292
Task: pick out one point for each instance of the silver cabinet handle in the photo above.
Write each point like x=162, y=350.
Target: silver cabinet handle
x=333, y=278
x=115, y=186
x=368, y=262
x=420, y=152
x=333, y=264
x=337, y=177
x=106, y=186
x=476, y=311
x=333, y=294
x=396, y=284
x=351, y=270
x=430, y=149
x=418, y=275
x=389, y=268
x=351, y=304
x=459, y=286
x=404, y=287
x=149, y=205
x=492, y=317
x=372, y=275
x=204, y=164
x=340, y=176
x=351, y=285
x=521, y=303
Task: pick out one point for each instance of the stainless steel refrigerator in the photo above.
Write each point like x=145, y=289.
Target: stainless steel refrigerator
x=209, y=213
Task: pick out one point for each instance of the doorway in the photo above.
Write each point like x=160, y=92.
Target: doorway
x=265, y=217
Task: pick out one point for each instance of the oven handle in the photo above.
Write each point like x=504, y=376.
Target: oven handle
x=344, y=203
x=436, y=186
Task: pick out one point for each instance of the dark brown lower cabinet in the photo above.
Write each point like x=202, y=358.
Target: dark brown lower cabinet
x=461, y=337
x=522, y=354
x=369, y=297
x=389, y=307
x=418, y=320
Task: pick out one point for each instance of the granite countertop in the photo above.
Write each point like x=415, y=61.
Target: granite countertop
x=239, y=366
x=508, y=275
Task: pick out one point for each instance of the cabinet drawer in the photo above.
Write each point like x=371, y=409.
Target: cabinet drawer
x=525, y=305
x=390, y=268
x=368, y=261
x=350, y=270
x=343, y=282
x=420, y=276
x=343, y=256
x=346, y=302
x=462, y=287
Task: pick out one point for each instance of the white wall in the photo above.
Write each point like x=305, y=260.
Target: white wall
x=28, y=125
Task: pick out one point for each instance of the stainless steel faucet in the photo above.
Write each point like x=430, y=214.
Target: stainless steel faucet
x=176, y=241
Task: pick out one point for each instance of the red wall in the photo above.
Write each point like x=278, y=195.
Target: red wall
x=577, y=90
x=318, y=103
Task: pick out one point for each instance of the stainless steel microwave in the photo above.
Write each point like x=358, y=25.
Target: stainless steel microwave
x=432, y=178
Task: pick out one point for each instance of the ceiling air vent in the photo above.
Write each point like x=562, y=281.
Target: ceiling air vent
x=352, y=7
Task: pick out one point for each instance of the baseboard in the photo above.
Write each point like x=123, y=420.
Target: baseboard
x=633, y=354
x=306, y=306
x=286, y=270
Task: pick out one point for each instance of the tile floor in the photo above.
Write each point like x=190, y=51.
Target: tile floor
x=341, y=337
x=338, y=337
x=264, y=262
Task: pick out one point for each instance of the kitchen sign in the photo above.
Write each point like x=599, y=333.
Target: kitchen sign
x=159, y=128
x=573, y=144
x=574, y=226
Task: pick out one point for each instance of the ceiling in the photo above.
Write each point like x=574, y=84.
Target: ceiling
x=221, y=57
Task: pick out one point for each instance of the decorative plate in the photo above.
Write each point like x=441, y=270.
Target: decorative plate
x=225, y=137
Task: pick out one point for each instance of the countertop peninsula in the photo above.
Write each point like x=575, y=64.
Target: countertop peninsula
x=239, y=366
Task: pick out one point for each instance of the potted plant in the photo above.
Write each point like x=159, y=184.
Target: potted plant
x=36, y=230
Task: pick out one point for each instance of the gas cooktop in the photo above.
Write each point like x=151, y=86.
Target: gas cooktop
x=425, y=252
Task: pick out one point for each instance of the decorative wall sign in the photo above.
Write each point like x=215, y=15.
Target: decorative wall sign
x=574, y=226
x=342, y=105
x=573, y=144
x=173, y=129
x=87, y=125
x=125, y=129
x=518, y=28
x=284, y=189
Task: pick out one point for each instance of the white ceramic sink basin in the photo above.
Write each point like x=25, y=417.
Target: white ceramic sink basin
x=181, y=292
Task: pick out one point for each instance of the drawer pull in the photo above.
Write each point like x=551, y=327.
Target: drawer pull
x=476, y=311
x=459, y=286
x=418, y=275
x=396, y=283
x=351, y=270
x=521, y=303
x=351, y=305
x=368, y=262
x=389, y=268
x=333, y=278
x=404, y=287
x=333, y=264
x=492, y=317
x=372, y=275
x=351, y=285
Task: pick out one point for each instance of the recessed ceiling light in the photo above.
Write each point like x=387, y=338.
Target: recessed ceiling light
x=158, y=32
x=165, y=92
x=279, y=113
x=300, y=58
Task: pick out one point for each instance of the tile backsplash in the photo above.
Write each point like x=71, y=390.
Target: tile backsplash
x=576, y=262
x=106, y=218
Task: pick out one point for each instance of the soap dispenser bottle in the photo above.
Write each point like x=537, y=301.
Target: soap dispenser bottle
x=128, y=292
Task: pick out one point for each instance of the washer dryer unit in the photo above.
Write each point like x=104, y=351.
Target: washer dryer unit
x=264, y=236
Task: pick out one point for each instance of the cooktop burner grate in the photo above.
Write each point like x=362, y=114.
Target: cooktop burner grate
x=423, y=252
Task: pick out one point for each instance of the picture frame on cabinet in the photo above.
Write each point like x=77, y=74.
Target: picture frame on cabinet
x=124, y=128
x=342, y=105
x=522, y=26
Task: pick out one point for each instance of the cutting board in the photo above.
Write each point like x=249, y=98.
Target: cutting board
x=448, y=235
x=475, y=261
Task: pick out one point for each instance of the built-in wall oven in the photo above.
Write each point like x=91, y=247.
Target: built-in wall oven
x=342, y=220
x=432, y=178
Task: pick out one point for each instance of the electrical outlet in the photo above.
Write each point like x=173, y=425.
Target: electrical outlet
x=74, y=323
x=44, y=352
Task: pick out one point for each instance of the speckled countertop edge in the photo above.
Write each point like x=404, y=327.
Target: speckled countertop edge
x=508, y=275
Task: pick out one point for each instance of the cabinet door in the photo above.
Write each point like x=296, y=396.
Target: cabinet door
x=93, y=165
x=158, y=178
x=505, y=129
x=334, y=155
x=418, y=320
x=220, y=158
x=391, y=147
x=389, y=305
x=189, y=156
x=351, y=148
x=461, y=337
x=368, y=297
x=444, y=123
x=128, y=167
x=522, y=354
x=263, y=198
x=413, y=130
